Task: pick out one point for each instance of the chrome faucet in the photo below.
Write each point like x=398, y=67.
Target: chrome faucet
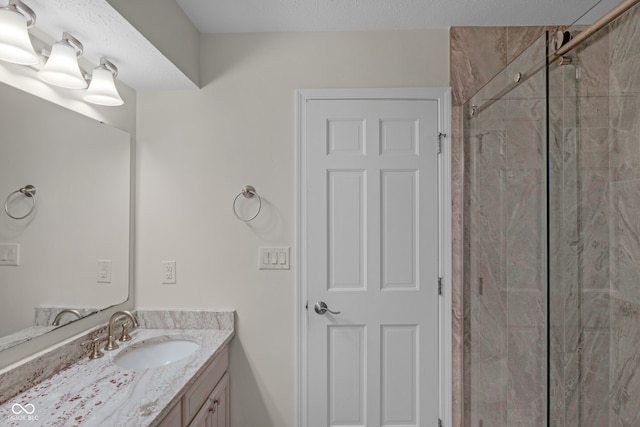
x=56, y=321
x=111, y=342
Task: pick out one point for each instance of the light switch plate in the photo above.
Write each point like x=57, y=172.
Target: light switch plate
x=274, y=258
x=10, y=254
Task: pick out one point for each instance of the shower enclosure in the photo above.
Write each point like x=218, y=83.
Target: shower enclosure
x=552, y=236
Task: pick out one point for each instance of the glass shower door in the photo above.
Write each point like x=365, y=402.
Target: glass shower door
x=595, y=215
x=505, y=277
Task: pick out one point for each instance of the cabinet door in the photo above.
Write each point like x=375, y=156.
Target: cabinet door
x=203, y=416
x=197, y=395
x=215, y=411
x=220, y=403
x=173, y=418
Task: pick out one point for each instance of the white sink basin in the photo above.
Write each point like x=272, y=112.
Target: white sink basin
x=152, y=354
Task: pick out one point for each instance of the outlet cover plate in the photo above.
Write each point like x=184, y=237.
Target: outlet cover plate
x=104, y=271
x=168, y=272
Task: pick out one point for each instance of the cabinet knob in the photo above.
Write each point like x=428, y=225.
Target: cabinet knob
x=214, y=406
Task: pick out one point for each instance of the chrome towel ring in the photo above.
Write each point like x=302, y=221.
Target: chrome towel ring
x=248, y=192
x=28, y=191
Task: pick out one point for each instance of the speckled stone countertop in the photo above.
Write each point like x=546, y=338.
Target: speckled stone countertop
x=100, y=393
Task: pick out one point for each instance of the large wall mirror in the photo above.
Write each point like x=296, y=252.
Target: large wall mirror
x=74, y=246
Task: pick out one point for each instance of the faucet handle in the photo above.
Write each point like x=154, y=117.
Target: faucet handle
x=125, y=335
x=95, y=352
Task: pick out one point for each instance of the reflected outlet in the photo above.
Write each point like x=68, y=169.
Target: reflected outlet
x=104, y=271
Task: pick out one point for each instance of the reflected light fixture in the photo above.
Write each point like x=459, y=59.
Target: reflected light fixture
x=102, y=89
x=62, y=67
x=15, y=44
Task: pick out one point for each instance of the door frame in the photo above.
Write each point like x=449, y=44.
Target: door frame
x=443, y=96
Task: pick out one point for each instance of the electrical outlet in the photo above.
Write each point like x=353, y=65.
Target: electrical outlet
x=168, y=272
x=104, y=271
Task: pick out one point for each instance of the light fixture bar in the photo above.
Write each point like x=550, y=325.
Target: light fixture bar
x=15, y=44
x=109, y=66
x=61, y=67
x=73, y=42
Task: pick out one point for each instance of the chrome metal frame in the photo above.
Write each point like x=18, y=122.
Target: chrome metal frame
x=606, y=19
x=23, y=9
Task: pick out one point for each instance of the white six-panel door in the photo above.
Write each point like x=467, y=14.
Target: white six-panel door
x=370, y=179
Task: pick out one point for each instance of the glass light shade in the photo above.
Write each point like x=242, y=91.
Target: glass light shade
x=15, y=44
x=62, y=67
x=102, y=89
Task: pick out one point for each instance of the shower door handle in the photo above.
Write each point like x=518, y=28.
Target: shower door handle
x=321, y=308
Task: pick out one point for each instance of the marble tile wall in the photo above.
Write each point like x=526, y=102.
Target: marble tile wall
x=499, y=297
x=477, y=55
x=579, y=266
x=624, y=187
x=507, y=293
x=594, y=352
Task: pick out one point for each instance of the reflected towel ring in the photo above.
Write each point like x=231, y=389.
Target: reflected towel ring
x=248, y=192
x=28, y=191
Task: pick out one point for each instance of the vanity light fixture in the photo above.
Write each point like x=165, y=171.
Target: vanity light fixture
x=62, y=67
x=15, y=44
x=102, y=89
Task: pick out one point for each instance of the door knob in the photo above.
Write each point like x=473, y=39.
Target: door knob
x=321, y=308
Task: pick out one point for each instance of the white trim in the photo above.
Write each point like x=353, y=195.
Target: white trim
x=443, y=96
x=446, y=342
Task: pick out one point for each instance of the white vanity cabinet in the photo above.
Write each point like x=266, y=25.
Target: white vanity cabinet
x=206, y=402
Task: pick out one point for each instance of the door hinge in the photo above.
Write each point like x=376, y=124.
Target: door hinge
x=439, y=422
x=440, y=136
x=439, y=285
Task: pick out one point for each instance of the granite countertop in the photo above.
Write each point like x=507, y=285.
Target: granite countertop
x=99, y=393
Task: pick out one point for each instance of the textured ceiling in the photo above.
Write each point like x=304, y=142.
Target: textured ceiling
x=223, y=16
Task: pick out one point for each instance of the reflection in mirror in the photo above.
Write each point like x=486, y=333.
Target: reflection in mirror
x=71, y=252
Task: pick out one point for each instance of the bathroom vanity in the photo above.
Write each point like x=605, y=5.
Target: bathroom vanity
x=173, y=373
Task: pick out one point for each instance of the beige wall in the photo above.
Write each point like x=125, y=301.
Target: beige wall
x=197, y=149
